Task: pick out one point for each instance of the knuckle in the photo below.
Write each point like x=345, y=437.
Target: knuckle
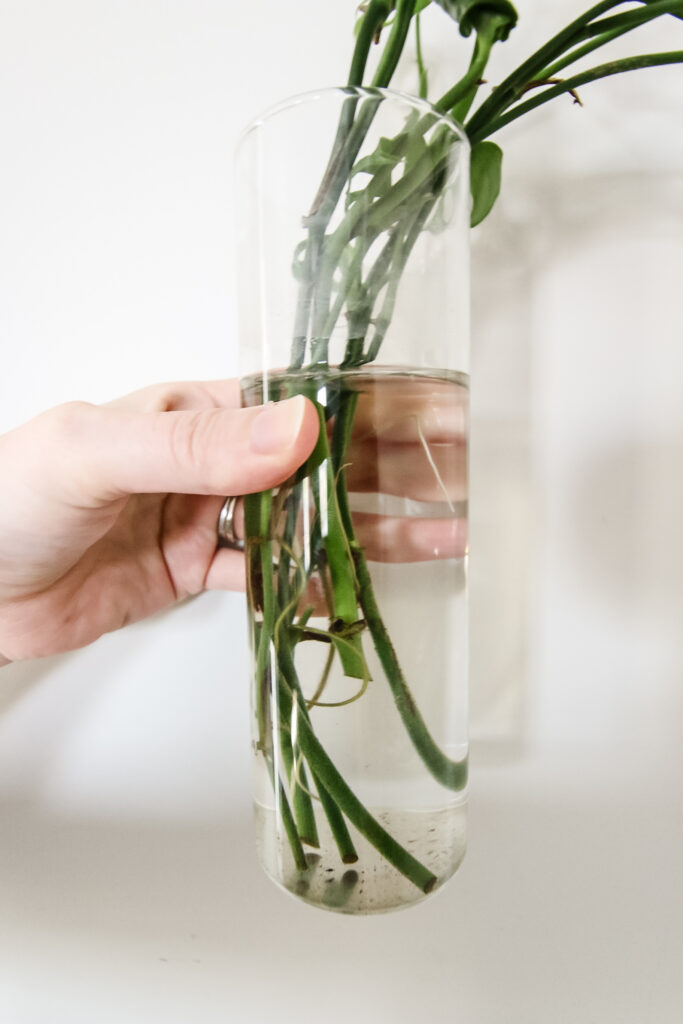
x=65, y=424
x=192, y=442
x=60, y=439
x=167, y=397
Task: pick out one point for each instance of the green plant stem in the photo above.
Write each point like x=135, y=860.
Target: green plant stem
x=350, y=136
x=514, y=85
x=336, y=172
x=320, y=688
x=305, y=299
x=257, y=510
x=629, y=20
x=335, y=818
x=616, y=67
x=336, y=544
x=294, y=769
x=285, y=813
x=272, y=644
x=423, y=83
x=332, y=282
x=467, y=86
x=403, y=250
x=570, y=58
x=395, y=43
x=336, y=796
x=256, y=526
x=292, y=505
x=377, y=13
x=344, y=287
x=338, y=554
x=341, y=438
x=421, y=178
x=386, y=270
x=451, y=774
x=605, y=31
x=304, y=815
x=338, y=826
x=302, y=805
x=352, y=807
x=346, y=146
x=536, y=69
x=410, y=188
x=384, y=843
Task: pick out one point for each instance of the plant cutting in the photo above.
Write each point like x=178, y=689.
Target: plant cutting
x=354, y=293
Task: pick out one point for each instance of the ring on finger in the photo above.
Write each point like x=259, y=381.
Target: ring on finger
x=227, y=538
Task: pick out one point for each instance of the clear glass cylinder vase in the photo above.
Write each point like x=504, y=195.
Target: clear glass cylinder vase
x=353, y=220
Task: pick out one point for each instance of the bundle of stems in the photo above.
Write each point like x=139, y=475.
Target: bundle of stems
x=402, y=181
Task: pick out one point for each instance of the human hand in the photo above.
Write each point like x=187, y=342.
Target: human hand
x=406, y=469
x=109, y=513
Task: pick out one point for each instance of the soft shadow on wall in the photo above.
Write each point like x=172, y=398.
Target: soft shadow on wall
x=576, y=377
x=501, y=488
x=608, y=424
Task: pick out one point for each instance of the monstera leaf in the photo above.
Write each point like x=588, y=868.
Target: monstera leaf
x=468, y=13
x=485, y=175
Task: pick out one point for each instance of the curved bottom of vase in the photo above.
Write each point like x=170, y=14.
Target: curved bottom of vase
x=435, y=836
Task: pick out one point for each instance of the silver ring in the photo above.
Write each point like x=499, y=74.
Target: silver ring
x=227, y=538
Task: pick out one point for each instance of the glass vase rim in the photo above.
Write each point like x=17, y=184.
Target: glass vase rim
x=300, y=98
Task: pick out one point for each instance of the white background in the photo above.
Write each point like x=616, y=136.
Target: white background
x=128, y=886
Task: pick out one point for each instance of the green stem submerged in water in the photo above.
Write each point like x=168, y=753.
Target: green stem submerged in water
x=405, y=176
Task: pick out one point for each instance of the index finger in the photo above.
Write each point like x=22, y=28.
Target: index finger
x=409, y=410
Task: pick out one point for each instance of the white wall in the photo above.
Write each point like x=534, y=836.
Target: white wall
x=129, y=890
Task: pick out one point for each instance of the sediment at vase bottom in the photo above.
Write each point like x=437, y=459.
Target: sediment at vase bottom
x=435, y=836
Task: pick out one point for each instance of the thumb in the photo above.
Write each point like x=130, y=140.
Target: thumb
x=115, y=452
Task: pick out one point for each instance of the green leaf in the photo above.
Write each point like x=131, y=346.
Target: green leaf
x=468, y=14
x=379, y=184
x=373, y=163
x=486, y=162
x=389, y=152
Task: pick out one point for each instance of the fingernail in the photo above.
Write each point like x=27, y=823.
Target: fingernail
x=277, y=427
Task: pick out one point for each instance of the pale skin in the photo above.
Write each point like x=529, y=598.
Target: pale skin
x=109, y=512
